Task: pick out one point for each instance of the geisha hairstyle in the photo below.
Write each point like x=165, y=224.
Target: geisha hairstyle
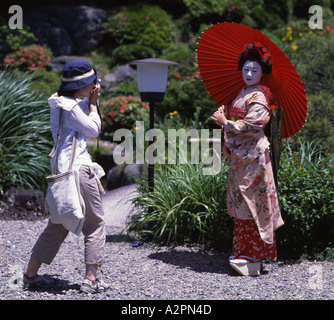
x=256, y=52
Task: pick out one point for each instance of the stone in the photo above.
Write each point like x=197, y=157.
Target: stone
x=23, y=204
x=121, y=74
x=113, y=180
x=66, y=30
x=123, y=175
x=132, y=172
x=28, y=199
x=106, y=161
x=59, y=62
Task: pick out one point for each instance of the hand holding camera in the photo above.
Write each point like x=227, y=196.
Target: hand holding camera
x=95, y=94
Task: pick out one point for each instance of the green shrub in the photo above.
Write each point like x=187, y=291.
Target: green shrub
x=310, y=54
x=150, y=28
x=307, y=198
x=187, y=94
x=178, y=52
x=126, y=53
x=13, y=39
x=25, y=139
x=310, y=51
x=29, y=58
x=202, y=8
x=123, y=112
x=263, y=18
x=320, y=120
x=255, y=13
x=235, y=10
x=45, y=82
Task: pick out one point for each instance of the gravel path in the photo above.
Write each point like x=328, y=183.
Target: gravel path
x=145, y=272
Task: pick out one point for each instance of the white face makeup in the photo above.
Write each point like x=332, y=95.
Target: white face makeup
x=251, y=73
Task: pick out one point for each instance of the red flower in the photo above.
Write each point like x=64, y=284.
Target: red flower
x=112, y=114
x=29, y=58
x=122, y=109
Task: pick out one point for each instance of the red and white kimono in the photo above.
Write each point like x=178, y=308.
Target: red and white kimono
x=251, y=194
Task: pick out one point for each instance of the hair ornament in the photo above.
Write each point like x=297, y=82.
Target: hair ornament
x=264, y=56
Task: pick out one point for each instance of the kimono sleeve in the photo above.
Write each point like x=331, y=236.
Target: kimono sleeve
x=256, y=118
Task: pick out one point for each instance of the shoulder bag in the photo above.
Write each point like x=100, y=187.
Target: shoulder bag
x=62, y=195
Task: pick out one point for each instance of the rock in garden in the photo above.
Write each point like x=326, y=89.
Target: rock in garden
x=59, y=62
x=22, y=204
x=114, y=178
x=121, y=74
x=132, y=172
x=123, y=175
x=106, y=161
x=66, y=30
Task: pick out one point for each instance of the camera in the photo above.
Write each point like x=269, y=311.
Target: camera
x=97, y=79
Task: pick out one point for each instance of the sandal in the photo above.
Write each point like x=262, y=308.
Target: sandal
x=246, y=266
x=96, y=286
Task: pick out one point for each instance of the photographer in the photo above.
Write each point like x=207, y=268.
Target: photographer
x=81, y=117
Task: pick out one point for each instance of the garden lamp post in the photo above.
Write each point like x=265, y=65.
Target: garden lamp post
x=152, y=81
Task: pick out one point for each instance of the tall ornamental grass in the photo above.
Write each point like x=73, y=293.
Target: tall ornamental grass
x=186, y=205
x=25, y=139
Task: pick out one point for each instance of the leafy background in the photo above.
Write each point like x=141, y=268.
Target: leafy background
x=186, y=206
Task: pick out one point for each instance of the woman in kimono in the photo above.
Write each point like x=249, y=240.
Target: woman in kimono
x=251, y=193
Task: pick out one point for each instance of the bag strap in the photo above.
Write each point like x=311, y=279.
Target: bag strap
x=55, y=150
x=74, y=148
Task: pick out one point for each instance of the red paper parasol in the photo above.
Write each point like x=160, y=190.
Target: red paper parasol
x=218, y=51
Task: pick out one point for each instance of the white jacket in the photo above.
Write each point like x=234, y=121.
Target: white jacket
x=75, y=118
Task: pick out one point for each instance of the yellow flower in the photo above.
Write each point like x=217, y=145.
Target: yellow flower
x=294, y=47
x=172, y=114
x=289, y=35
